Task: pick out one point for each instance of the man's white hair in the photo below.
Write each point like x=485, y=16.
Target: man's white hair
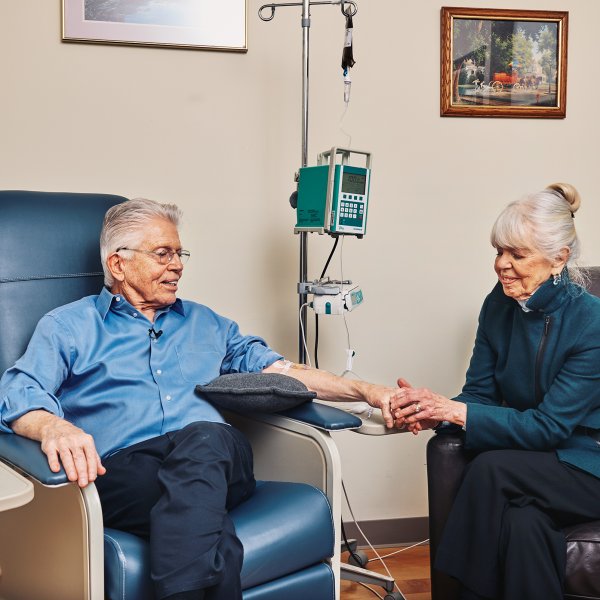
x=124, y=226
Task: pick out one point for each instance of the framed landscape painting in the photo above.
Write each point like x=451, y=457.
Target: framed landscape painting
x=503, y=63
x=199, y=24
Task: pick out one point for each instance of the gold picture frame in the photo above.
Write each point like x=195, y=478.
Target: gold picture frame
x=503, y=63
x=192, y=24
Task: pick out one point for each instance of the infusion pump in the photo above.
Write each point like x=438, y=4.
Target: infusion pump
x=334, y=197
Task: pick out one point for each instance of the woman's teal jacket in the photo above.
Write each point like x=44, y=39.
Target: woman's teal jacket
x=534, y=377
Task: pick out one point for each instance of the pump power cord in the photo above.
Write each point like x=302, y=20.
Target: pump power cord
x=316, y=352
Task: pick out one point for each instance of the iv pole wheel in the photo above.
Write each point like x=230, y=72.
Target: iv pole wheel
x=358, y=558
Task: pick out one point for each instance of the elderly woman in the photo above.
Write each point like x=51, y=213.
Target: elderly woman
x=530, y=408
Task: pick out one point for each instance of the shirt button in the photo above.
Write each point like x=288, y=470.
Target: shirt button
x=168, y=398
x=134, y=314
x=118, y=298
x=158, y=372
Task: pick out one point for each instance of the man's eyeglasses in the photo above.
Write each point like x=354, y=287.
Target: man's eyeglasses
x=164, y=257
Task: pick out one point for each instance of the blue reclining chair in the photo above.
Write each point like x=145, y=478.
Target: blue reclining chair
x=55, y=547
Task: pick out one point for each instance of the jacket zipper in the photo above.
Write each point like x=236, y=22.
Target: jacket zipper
x=539, y=358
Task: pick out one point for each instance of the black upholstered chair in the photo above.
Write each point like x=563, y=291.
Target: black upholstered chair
x=446, y=460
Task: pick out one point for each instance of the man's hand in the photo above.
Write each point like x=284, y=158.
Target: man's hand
x=383, y=397
x=62, y=442
x=75, y=449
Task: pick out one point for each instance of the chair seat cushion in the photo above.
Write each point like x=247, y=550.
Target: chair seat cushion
x=583, y=560
x=284, y=528
x=314, y=583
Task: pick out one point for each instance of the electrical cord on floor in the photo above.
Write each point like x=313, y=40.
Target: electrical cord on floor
x=406, y=548
x=374, y=592
x=380, y=558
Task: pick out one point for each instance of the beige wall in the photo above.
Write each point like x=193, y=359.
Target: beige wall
x=219, y=134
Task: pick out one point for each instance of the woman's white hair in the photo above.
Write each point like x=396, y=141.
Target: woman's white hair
x=544, y=221
x=124, y=226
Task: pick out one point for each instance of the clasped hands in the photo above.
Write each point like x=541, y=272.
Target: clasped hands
x=417, y=409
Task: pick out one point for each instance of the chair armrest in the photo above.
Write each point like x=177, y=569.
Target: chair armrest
x=322, y=416
x=446, y=461
x=27, y=455
x=372, y=422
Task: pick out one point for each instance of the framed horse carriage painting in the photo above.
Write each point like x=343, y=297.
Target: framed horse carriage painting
x=503, y=63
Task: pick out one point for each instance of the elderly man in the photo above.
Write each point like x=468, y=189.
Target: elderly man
x=107, y=386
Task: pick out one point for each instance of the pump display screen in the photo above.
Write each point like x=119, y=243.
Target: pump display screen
x=353, y=183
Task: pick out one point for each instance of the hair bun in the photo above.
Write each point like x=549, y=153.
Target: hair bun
x=569, y=193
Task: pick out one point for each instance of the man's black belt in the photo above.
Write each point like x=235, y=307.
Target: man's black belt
x=593, y=433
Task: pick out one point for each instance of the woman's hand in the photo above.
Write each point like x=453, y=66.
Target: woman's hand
x=400, y=420
x=422, y=409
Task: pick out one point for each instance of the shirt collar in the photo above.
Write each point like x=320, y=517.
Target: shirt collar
x=106, y=299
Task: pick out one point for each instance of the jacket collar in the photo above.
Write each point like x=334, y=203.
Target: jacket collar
x=548, y=297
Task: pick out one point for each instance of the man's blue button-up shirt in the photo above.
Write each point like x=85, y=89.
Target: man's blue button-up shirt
x=94, y=363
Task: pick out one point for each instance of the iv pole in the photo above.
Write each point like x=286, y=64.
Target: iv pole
x=306, y=4
x=350, y=572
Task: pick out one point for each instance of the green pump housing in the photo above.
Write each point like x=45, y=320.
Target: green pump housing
x=334, y=197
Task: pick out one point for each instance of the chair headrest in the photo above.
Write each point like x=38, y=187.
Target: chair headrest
x=49, y=256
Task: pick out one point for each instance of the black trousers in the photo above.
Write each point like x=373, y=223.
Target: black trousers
x=503, y=538
x=176, y=490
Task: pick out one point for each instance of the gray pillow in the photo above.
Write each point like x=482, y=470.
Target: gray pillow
x=265, y=392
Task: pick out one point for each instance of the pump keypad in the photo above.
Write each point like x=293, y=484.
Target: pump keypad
x=352, y=209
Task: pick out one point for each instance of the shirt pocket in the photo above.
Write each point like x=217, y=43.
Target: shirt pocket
x=199, y=365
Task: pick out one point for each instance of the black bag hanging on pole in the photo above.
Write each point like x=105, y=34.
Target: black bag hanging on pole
x=347, y=58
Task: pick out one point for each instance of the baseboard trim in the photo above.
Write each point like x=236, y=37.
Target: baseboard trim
x=389, y=532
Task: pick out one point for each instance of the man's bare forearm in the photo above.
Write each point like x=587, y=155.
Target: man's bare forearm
x=63, y=443
x=337, y=389
x=326, y=385
x=33, y=424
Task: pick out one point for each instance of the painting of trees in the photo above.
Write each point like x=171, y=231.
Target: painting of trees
x=547, y=43
x=504, y=58
x=498, y=46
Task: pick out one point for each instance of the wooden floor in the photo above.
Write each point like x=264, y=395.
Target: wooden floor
x=409, y=568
